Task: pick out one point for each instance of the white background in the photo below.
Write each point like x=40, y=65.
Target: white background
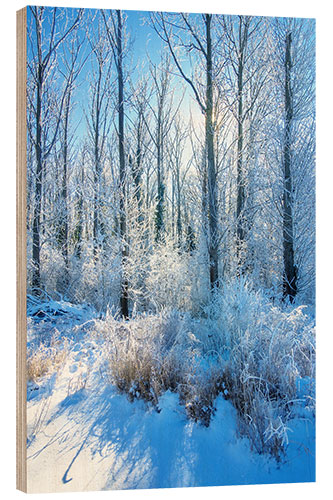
x=321, y=10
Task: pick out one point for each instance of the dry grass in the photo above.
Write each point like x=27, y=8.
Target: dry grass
x=253, y=353
x=46, y=359
x=152, y=354
x=269, y=351
x=78, y=383
x=198, y=393
x=138, y=363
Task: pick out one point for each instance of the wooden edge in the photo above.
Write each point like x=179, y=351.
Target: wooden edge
x=21, y=260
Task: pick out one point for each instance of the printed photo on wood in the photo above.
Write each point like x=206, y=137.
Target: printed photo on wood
x=166, y=249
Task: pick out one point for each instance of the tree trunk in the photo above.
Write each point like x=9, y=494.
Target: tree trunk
x=79, y=227
x=209, y=130
x=179, y=217
x=135, y=168
x=64, y=207
x=290, y=270
x=36, y=281
x=240, y=173
x=124, y=250
x=138, y=175
x=159, y=220
x=97, y=155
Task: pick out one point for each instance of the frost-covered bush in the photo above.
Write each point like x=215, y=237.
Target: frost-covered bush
x=95, y=279
x=136, y=264
x=140, y=362
x=46, y=359
x=151, y=354
x=233, y=308
x=201, y=385
x=200, y=282
x=52, y=270
x=253, y=352
x=267, y=350
x=169, y=279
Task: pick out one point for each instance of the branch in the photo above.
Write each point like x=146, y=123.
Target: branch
x=180, y=69
x=56, y=45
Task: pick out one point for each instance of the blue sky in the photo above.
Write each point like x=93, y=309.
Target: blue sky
x=144, y=45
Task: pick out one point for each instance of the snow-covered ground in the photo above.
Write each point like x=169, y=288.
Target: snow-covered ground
x=83, y=435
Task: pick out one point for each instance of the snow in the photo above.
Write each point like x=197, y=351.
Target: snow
x=83, y=435
x=52, y=308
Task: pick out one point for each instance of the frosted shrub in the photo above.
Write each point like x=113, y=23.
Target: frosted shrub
x=243, y=346
x=52, y=270
x=168, y=283
x=96, y=280
x=142, y=355
x=136, y=265
x=92, y=278
x=46, y=359
x=200, y=283
x=153, y=353
x=269, y=350
x=235, y=308
x=264, y=421
x=199, y=389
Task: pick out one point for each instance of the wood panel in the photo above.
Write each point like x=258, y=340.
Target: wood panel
x=21, y=260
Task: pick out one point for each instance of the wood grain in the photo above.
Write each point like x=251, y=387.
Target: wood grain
x=21, y=259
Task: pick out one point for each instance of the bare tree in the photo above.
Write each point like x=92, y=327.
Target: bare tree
x=40, y=66
x=199, y=31
x=163, y=114
x=140, y=96
x=295, y=54
x=179, y=168
x=73, y=65
x=245, y=81
x=99, y=123
x=290, y=270
x=115, y=33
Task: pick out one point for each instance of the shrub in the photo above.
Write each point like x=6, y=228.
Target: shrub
x=252, y=351
x=152, y=354
x=198, y=392
x=95, y=278
x=268, y=350
x=138, y=351
x=168, y=283
x=46, y=359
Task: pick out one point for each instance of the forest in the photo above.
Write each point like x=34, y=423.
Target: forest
x=171, y=229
